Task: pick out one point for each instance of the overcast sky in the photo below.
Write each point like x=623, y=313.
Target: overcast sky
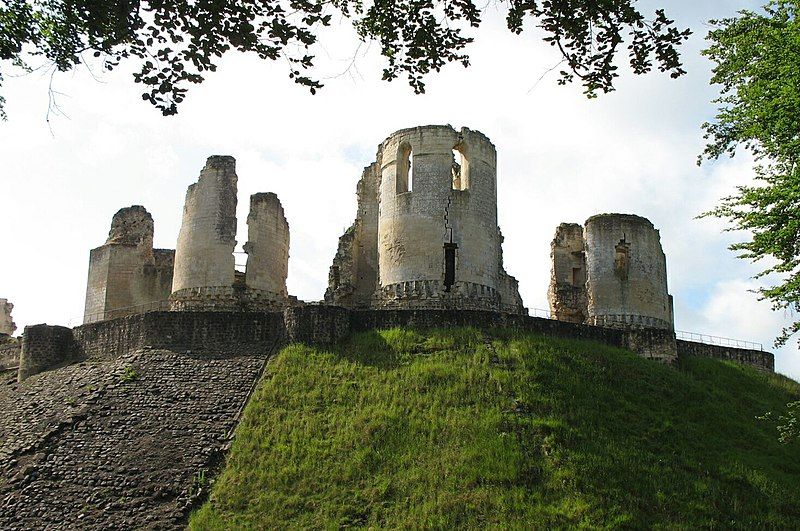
x=561, y=158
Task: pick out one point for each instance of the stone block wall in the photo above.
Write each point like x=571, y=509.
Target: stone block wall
x=761, y=360
x=44, y=346
x=10, y=349
x=126, y=275
x=316, y=324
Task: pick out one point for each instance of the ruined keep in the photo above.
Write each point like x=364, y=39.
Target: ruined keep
x=7, y=325
x=126, y=275
x=426, y=234
x=205, y=277
x=611, y=272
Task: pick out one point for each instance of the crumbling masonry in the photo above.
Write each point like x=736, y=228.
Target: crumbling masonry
x=612, y=272
x=126, y=275
x=205, y=276
x=426, y=234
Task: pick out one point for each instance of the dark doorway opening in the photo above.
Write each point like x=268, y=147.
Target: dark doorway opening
x=449, y=265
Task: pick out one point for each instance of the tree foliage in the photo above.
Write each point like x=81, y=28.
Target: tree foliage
x=175, y=43
x=757, y=65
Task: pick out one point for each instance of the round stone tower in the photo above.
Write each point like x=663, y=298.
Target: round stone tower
x=626, y=280
x=438, y=240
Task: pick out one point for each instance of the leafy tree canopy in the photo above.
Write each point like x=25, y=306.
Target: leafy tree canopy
x=175, y=43
x=757, y=58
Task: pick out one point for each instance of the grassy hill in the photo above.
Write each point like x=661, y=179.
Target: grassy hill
x=456, y=428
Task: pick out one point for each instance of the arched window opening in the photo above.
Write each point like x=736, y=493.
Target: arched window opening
x=460, y=168
x=405, y=168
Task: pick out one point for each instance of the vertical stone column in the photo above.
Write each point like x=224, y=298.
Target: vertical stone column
x=204, y=254
x=267, y=247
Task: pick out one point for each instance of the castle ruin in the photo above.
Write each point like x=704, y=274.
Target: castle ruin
x=126, y=274
x=205, y=274
x=7, y=325
x=611, y=272
x=426, y=234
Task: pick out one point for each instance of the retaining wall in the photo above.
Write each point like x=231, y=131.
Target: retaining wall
x=759, y=359
x=320, y=324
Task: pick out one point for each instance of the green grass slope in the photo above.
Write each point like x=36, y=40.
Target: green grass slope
x=454, y=428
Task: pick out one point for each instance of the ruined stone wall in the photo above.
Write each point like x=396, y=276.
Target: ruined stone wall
x=10, y=349
x=126, y=275
x=267, y=247
x=627, y=273
x=353, y=275
x=426, y=232
x=7, y=325
x=44, y=346
x=414, y=225
x=567, y=291
x=761, y=360
x=204, y=253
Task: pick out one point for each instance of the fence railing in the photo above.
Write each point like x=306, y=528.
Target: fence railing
x=717, y=340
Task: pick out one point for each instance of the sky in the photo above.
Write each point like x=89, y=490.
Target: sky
x=561, y=158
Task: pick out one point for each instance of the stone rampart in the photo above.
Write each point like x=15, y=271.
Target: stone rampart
x=321, y=324
x=764, y=361
x=10, y=349
x=44, y=346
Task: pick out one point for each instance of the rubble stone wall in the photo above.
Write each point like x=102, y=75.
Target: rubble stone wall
x=44, y=346
x=10, y=349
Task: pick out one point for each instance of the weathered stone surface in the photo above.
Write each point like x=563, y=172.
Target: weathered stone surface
x=129, y=443
x=267, y=246
x=204, y=253
x=627, y=273
x=610, y=273
x=761, y=360
x=434, y=235
x=567, y=291
x=7, y=325
x=353, y=275
x=43, y=347
x=126, y=275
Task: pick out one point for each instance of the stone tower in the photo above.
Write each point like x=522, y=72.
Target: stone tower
x=612, y=273
x=433, y=236
x=126, y=275
x=204, y=253
x=205, y=276
x=267, y=245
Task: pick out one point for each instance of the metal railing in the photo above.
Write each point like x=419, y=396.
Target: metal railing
x=717, y=340
x=539, y=312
